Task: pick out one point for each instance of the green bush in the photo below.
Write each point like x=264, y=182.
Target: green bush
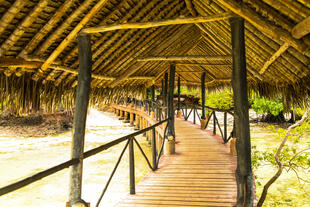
x=220, y=100
x=265, y=106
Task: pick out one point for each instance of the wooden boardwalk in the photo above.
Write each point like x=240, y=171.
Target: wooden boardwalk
x=201, y=173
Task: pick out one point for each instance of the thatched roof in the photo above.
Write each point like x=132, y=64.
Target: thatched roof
x=39, y=56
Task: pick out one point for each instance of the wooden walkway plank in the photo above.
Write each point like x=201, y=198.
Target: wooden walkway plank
x=201, y=173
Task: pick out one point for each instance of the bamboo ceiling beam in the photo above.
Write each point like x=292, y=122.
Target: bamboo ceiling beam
x=189, y=71
x=19, y=31
x=260, y=23
x=131, y=45
x=272, y=13
x=16, y=62
x=46, y=28
x=187, y=57
x=99, y=41
x=140, y=78
x=158, y=49
x=170, y=40
x=145, y=25
x=207, y=82
x=301, y=29
x=222, y=46
x=187, y=47
x=7, y=18
x=70, y=37
x=208, y=73
x=190, y=7
x=62, y=28
x=202, y=64
x=273, y=58
x=102, y=39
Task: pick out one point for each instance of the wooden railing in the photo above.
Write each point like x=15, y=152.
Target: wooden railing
x=131, y=140
x=188, y=109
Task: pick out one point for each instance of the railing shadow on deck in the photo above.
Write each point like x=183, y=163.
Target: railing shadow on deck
x=131, y=140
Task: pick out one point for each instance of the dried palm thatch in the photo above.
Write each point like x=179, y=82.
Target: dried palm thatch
x=39, y=56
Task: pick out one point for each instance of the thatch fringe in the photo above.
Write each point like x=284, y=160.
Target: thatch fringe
x=22, y=96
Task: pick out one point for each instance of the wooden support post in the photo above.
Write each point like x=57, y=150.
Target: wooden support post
x=126, y=120
x=179, y=112
x=241, y=114
x=170, y=145
x=132, y=184
x=153, y=96
x=131, y=118
x=203, y=120
x=122, y=114
x=82, y=98
x=162, y=91
x=165, y=94
x=137, y=125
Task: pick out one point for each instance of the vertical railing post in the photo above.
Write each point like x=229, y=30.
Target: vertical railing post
x=82, y=99
x=194, y=114
x=132, y=184
x=185, y=112
x=154, y=153
x=214, y=123
x=225, y=126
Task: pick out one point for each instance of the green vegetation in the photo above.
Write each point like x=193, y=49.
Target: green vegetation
x=288, y=166
x=220, y=100
x=265, y=106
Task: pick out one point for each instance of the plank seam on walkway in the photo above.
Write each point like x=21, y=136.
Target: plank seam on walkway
x=175, y=182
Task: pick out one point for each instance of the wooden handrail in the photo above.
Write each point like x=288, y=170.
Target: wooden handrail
x=31, y=179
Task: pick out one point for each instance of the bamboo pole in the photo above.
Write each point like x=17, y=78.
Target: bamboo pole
x=145, y=25
x=104, y=39
x=46, y=28
x=61, y=29
x=135, y=48
x=202, y=64
x=274, y=57
x=10, y=14
x=190, y=7
x=264, y=26
x=169, y=39
x=99, y=41
x=17, y=62
x=187, y=57
x=301, y=29
x=70, y=37
x=19, y=31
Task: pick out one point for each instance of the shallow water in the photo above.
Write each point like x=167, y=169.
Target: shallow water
x=22, y=157
x=286, y=191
